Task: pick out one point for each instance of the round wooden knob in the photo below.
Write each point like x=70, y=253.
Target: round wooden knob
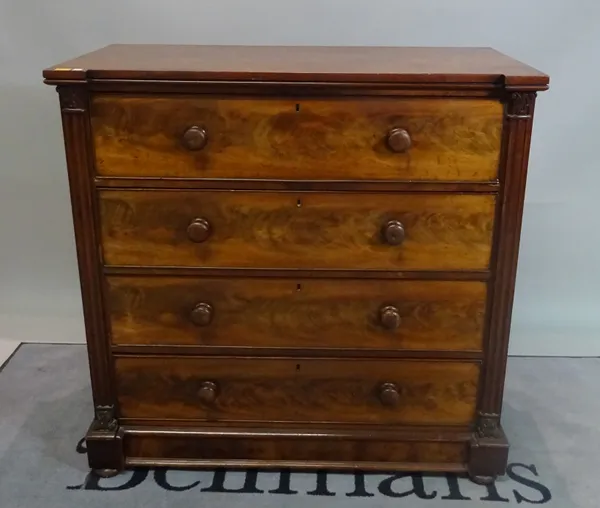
x=202, y=314
x=393, y=232
x=389, y=317
x=195, y=138
x=398, y=140
x=199, y=230
x=208, y=392
x=389, y=394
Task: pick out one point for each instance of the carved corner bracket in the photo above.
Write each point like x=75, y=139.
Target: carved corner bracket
x=73, y=99
x=488, y=425
x=520, y=104
x=105, y=418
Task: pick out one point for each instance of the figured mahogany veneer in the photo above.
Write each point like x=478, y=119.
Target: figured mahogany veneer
x=298, y=390
x=297, y=313
x=144, y=449
x=297, y=257
x=297, y=230
x=374, y=139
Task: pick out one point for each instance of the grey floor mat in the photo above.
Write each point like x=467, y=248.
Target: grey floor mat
x=551, y=415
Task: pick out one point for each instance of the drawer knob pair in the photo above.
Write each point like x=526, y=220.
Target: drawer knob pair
x=389, y=393
x=194, y=138
x=200, y=229
x=202, y=315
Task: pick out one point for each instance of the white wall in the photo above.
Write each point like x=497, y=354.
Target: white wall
x=557, y=308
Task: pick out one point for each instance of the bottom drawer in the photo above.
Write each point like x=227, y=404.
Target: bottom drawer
x=411, y=392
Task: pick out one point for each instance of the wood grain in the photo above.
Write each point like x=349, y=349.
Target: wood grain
x=74, y=102
x=297, y=230
x=295, y=185
x=481, y=275
x=452, y=139
x=313, y=450
x=297, y=313
x=410, y=65
x=297, y=90
x=264, y=380
x=519, y=124
x=299, y=390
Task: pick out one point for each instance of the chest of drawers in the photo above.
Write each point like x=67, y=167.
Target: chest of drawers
x=297, y=256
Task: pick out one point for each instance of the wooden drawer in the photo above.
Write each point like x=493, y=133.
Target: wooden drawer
x=268, y=450
x=386, y=231
x=450, y=139
x=297, y=390
x=297, y=313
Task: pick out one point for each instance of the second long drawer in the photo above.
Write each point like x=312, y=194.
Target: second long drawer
x=306, y=230
x=297, y=313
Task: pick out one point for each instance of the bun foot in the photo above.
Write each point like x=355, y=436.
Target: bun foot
x=106, y=473
x=483, y=480
x=488, y=455
x=106, y=457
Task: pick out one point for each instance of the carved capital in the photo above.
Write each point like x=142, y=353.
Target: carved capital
x=488, y=425
x=72, y=99
x=105, y=418
x=520, y=104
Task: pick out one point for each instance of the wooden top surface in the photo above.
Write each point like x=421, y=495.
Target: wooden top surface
x=393, y=65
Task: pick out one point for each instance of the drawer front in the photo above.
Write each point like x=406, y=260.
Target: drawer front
x=297, y=390
x=190, y=137
x=300, y=451
x=297, y=313
x=297, y=230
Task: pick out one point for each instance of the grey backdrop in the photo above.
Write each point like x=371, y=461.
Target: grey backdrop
x=557, y=307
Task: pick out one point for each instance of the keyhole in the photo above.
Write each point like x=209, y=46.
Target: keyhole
x=297, y=108
x=298, y=287
x=299, y=203
x=297, y=366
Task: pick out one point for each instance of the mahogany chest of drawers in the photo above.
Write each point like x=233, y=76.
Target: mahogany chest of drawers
x=297, y=257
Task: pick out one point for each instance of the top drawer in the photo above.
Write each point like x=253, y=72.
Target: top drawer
x=343, y=139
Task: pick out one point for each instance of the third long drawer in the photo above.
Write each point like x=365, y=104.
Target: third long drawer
x=296, y=313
